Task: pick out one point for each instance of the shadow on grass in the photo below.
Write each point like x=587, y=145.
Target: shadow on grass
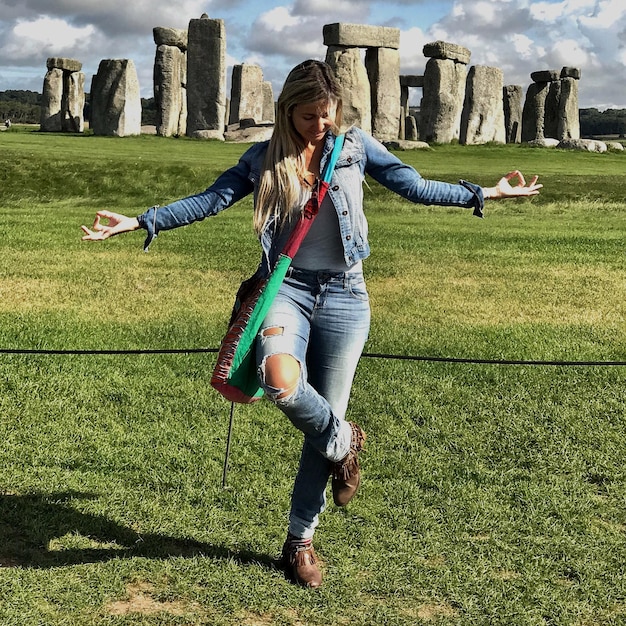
x=44, y=530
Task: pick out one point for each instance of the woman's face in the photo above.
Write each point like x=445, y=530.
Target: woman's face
x=311, y=121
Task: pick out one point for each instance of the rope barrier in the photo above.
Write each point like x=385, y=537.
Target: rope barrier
x=371, y=355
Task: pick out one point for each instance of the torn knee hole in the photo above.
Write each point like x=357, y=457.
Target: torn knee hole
x=272, y=331
x=281, y=372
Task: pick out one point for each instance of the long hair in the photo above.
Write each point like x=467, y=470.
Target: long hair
x=280, y=187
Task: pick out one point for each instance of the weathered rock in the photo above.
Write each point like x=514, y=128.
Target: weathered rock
x=571, y=72
x=534, y=111
x=399, y=144
x=115, y=99
x=543, y=142
x=588, y=145
x=410, y=126
x=383, y=70
x=411, y=80
x=206, y=77
x=68, y=65
x=269, y=106
x=442, y=101
x=545, y=76
x=614, y=146
x=73, y=102
x=169, y=94
x=444, y=50
x=482, y=119
x=551, y=110
x=246, y=94
x=361, y=36
x=568, y=117
x=250, y=134
x=51, y=100
x=164, y=36
x=512, y=105
x=352, y=76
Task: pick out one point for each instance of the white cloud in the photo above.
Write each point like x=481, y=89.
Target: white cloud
x=52, y=33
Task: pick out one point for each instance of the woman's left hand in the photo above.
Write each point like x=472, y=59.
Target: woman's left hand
x=504, y=188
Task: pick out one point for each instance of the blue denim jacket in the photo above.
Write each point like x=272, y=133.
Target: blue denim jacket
x=361, y=154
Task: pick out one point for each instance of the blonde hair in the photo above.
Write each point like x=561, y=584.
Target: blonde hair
x=280, y=188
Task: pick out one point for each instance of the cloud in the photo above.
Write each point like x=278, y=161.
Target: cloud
x=280, y=32
x=519, y=36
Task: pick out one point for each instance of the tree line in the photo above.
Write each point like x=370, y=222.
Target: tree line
x=24, y=107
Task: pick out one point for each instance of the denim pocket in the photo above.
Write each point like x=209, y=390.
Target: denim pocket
x=358, y=290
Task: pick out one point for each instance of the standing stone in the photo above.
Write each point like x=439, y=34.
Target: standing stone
x=246, y=94
x=410, y=124
x=115, y=99
x=407, y=81
x=551, y=110
x=63, y=96
x=169, y=72
x=533, y=113
x=383, y=70
x=482, y=120
x=442, y=100
x=206, y=78
x=568, y=123
x=512, y=104
x=269, y=107
x=51, y=120
x=74, y=102
x=444, y=91
x=352, y=76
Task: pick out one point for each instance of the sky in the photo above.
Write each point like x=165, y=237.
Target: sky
x=518, y=36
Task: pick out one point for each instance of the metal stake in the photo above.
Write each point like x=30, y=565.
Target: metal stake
x=228, y=440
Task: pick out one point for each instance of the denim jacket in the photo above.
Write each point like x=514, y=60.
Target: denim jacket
x=361, y=154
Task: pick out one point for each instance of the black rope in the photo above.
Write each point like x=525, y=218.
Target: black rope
x=371, y=355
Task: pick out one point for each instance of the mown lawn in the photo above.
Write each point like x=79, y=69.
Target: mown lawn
x=493, y=494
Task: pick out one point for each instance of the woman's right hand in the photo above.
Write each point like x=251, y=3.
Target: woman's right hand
x=115, y=224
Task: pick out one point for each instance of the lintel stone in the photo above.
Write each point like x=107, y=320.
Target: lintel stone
x=176, y=37
x=445, y=50
x=361, y=36
x=411, y=81
x=545, y=76
x=570, y=72
x=69, y=65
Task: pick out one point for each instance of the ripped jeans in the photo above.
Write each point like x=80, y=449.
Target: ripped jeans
x=322, y=319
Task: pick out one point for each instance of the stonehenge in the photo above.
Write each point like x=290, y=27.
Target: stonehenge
x=371, y=92
x=206, y=78
x=551, y=107
x=115, y=99
x=170, y=81
x=459, y=102
x=63, y=97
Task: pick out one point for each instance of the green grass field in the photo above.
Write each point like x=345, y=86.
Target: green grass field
x=493, y=494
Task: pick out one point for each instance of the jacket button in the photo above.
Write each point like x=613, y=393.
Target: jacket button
x=349, y=159
x=348, y=237
x=344, y=212
x=336, y=188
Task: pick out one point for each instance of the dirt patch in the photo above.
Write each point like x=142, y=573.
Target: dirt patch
x=141, y=601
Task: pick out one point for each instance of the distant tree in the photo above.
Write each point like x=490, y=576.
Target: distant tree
x=609, y=122
x=148, y=112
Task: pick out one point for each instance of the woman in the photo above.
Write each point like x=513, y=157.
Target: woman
x=310, y=343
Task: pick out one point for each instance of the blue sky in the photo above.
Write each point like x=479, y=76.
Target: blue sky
x=519, y=36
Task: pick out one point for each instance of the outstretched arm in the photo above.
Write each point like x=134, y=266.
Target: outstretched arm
x=504, y=188
x=115, y=224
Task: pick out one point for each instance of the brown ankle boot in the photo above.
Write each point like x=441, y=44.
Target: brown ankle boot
x=346, y=473
x=301, y=562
